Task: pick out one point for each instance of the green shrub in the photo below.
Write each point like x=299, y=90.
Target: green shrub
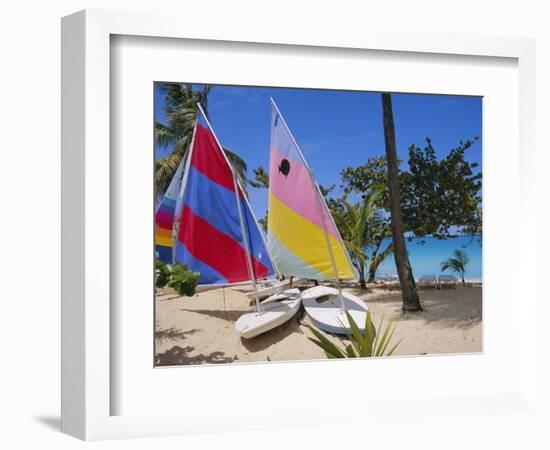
x=369, y=344
x=162, y=273
x=177, y=276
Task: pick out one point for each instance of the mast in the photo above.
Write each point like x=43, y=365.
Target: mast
x=250, y=268
x=319, y=201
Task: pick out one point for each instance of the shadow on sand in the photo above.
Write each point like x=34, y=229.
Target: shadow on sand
x=231, y=315
x=172, y=334
x=178, y=356
x=275, y=335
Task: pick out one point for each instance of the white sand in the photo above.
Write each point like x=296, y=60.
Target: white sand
x=200, y=329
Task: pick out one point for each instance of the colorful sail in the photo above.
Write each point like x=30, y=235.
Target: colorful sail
x=299, y=222
x=164, y=217
x=209, y=233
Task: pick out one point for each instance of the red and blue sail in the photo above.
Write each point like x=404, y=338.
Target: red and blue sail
x=209, y=233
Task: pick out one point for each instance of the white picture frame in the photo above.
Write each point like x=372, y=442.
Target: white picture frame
x=87, y=316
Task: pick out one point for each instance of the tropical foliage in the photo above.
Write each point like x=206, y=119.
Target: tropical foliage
x=176, y=276
x=180, y=107
x=457, y=263
x=261, y=178
x=354, y=223
x=439, y=197
x=369, y=344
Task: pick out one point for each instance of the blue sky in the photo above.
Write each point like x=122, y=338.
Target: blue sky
x=335, y=129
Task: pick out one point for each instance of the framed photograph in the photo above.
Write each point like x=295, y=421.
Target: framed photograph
x=267, y=231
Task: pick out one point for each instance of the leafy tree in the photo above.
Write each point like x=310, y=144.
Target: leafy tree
x=438, y=195
x=325, y=191
x=457, y=263
x=367, y=176
x=180, y=106
x=411, y=301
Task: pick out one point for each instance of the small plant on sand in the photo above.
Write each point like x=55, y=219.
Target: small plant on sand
x=370, y=344
x=457, y=263
x=176, y=276
x=162, y=274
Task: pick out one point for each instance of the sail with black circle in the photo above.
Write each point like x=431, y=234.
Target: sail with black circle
x=302, y=237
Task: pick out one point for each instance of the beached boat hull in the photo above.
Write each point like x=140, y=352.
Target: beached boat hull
x=275, y=311
x=327, y=315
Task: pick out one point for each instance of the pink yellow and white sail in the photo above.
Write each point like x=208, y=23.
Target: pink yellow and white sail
x=302, y=237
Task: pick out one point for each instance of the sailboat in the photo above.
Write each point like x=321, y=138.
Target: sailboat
x=214, y=231
x=303, y=239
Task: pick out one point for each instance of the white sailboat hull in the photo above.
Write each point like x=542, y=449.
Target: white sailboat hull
x=275, y=311
x=327, y=315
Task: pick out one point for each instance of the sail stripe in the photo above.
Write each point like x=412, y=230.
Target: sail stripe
x=167, y=203
x=283, y=257
x=165, y=219
x=296, y=190
x=164, y=241
x=290, y=228
x=164, y=253
x=216, y=249
x=208, y=275
x=162, y=232
x=280, y=140
x=212, y=164
x=222, y=200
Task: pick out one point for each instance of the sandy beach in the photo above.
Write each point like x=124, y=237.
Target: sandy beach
x=200, y=329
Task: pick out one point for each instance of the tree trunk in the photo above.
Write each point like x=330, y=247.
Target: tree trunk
x=411, y=301
x=361, y=272
x=373, y=265
x=362, y=281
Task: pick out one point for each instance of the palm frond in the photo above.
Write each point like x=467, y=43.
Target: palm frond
x=165, y=136
x=457, y=263
x=164, y=171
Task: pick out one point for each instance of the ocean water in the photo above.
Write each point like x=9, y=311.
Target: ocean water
x=426, y=258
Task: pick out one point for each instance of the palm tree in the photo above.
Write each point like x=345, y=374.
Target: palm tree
x=411, y=301
x=378, y=258
x=456, y=263
x=180, y=106
x=355, y=223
